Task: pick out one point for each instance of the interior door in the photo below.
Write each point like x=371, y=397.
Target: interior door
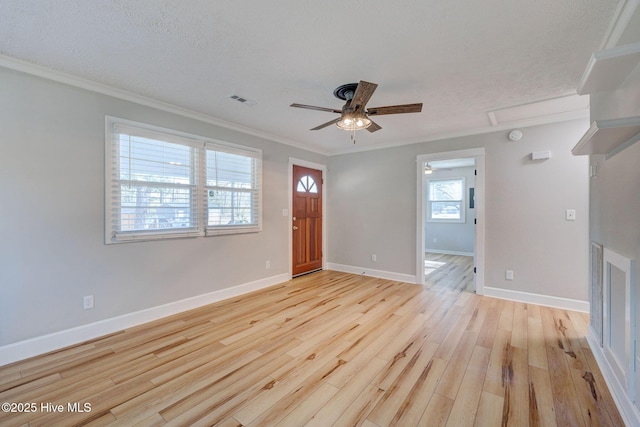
x=307, y=220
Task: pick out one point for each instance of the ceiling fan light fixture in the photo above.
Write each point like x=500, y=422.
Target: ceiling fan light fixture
x=353, y=122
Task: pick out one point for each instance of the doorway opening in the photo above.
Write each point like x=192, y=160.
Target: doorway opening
x=450, y=220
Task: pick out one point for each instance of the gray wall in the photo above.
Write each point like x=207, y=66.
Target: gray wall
x=615, y=191
x=52, y=249
x=451, y=236
x=372, y=208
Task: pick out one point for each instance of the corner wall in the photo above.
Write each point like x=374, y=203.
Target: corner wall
x=373, y=194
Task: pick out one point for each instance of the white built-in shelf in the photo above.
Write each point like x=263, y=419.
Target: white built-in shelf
x=608, y=69
x=608, y=136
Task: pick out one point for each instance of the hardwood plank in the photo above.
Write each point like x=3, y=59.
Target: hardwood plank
x=405, y=335
x=605, y=401
x=164, y=398
x=341, y=401
x=489, y=410
x=361, y=359
x=536, y=343
x=516, y=404
x=506, y=315
x=437, y=412
x=559, y=332
x=450, y=342
x=390, y=404
x=565, y=399
x=541, y=407
x=465, y=406
x=300, y=396
x=415, y=404
x=220, y=406
x=480, y=313
x=287, y=380
x=490, y=324
x=452, y=377
x=520, y=326
x=360, y=407
x=305, y=411
x=588, y=399
x=498, y=362
x=330, y=348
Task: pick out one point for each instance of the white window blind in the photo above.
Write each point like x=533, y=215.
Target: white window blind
x=233, y=189
x=162, y=183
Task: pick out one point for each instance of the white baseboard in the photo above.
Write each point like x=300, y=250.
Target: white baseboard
x=628, y=411
x=441, y=251
x=39, y=345
x=390, y=275
x=539, y=299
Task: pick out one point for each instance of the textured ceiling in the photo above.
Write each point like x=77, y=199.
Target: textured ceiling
x=463, y=59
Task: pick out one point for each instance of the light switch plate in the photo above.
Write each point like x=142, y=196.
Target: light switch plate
x=571, y=215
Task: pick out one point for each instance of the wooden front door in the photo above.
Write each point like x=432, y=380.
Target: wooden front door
x=307, y=220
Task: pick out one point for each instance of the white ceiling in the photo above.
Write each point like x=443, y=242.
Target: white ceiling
x=468, y=61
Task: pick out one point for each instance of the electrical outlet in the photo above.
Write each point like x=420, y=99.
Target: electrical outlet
x=373, y=258
x=87, y=302
x=508, y=274
x=268, y=264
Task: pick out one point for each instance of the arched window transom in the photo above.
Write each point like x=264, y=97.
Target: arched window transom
x=307, y=185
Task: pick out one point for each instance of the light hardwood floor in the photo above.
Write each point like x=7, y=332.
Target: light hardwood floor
x=454, y=272
x=327, y=349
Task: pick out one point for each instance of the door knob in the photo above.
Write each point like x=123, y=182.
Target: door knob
x=295, y=228
x=294, y=218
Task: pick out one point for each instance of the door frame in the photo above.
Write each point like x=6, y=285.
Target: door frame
x=307, y=164
x=479, y=155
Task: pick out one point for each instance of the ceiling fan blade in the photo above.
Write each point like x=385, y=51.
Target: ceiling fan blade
x=324, y=125
x=363, y=94
x=395, y=109
x=312, y=107
x=373, y=127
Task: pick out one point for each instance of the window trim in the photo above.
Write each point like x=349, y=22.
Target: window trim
x=200, y=144
x=462, y=200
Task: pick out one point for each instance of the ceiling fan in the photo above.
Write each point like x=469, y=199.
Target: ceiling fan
x=353, y=115
x=428, y=169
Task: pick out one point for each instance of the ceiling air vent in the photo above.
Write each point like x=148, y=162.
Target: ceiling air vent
x=243, y=100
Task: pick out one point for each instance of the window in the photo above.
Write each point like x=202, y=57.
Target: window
x=445, y=200
x=307, y=185
x=163, y=183
x=232, y=187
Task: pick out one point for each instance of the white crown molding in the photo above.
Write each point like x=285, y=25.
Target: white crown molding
x=621, y=17
x=71, y=80
x=542, y=120
x=65, y=78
